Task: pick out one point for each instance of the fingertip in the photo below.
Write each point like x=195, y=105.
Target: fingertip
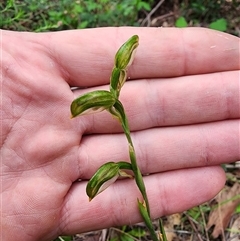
x=188, y=188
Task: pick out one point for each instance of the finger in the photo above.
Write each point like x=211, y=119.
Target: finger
x=164, y=149
x=176, y=101
x=168, y=193
x=86, y=56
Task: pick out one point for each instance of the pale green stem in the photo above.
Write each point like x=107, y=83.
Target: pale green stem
x=162, y=230
x=119, y=112
x=137, y=173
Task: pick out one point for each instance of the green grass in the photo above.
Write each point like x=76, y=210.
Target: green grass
x=44, y=15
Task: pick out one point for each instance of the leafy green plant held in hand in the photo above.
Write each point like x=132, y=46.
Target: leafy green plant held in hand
x=109, y=100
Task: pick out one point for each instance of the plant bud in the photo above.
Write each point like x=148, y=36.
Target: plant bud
x=117, y=80
x=125, y=54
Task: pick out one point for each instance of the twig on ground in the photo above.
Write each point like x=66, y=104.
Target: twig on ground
x=148, y=17
x=204, y=223
x=154, y=21
x=194, y=228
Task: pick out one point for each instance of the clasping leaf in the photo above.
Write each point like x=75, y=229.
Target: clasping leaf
x=107, y=174
x=98, y=100
x=117, y=80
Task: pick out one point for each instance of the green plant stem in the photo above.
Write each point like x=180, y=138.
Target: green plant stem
x=137, y=173
x=162, y=231
x=108, y=100
x=119, y=112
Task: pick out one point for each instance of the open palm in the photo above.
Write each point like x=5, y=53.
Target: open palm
x=183, y=109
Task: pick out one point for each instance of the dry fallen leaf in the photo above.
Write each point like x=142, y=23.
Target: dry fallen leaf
x=227, y=200
x=235, y=234
x=172, y=220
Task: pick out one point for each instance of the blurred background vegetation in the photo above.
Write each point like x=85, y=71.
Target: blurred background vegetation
x=222, y=15
x=44, y=15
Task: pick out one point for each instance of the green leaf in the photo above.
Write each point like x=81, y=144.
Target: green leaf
x=137, y=232
x=144, y=5
x=83, y=24
x=126, y=237
x=181, y=22
x=102, y=179
x=238, y=209
x=98, y=100
x=220, y=24
x=114, y=239
x=106, y=175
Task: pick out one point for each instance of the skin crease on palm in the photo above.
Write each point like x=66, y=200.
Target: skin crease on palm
x=182, y=102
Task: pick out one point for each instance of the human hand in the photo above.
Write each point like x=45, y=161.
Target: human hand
x=183, y=108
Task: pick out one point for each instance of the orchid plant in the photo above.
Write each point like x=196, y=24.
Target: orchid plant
x=100, y=100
